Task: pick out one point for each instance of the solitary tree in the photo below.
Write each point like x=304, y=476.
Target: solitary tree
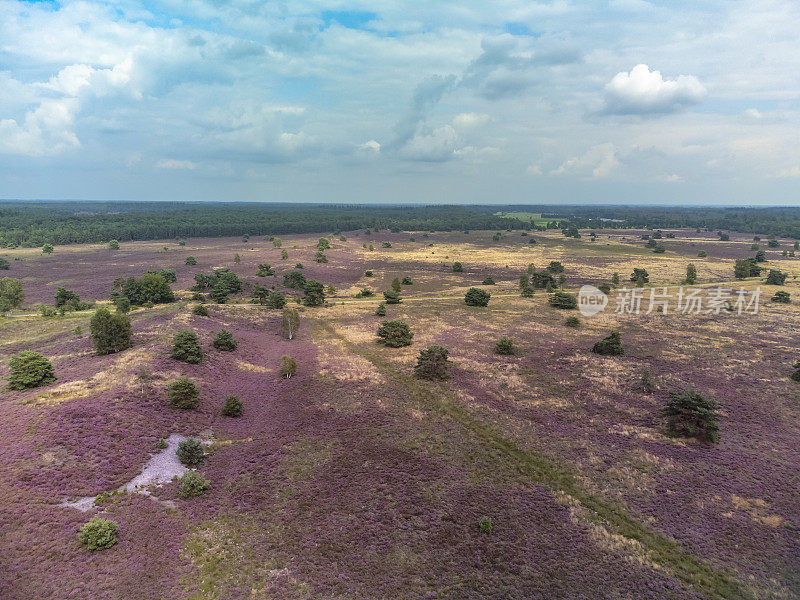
x=183, y=393
x=640, y=276
x=395, y=333
x=191, y=260
x=11, y=295
x=504, y=345
x=47, y=249
x=396, y=285
x=563, y=300
x=111, y=332
x=186, y=347
x=691, y=274
x=113, y=245
x=782, y=297
x=288, y=366
x=609, y=345
x=381, y=310
x=690, y=414
x=391, y=297
x=432, y=363
x=190, y=452
x=29, y=370
x=477, y=297
x=290, y=323
x=225, y=341
x=775, y=277
x=233, y=407
x=314, y=293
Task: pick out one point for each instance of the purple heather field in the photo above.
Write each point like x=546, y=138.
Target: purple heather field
x=355, y=480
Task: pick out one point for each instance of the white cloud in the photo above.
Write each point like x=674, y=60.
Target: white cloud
x=176, y=165
x=534, y=170
x=791, y=172
x=45, y=131
x=643, y=91
x=470, y=120
x=371, y=147
x=437, y=145
x=598, y=161
x=753, y=113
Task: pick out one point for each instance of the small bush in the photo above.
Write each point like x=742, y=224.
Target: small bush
x=191, y=261
x=368, y=274
x=198, y=297
x=192, y=484
x=572, y=322
x=477, y=297
x=563, y=300
x=458, y=267
x=432, y=363
x=29, y=370
x=775, y=277
x=233, y=407
x=504, y=346
x=648, y=381
x=381, y=310
x=528, y=291
x=162, y=444
x=183, y=393
x=485, y=525
x=609, y=345
x=200, y=310
x=391, y=297
x=395, y=333
x=190, y=452
x=288, y=366
x=407, y=281
x=98, y=534
x=702, y=254
x=186, y=347
x=488, y=281
x=781, y=296
x=111, y=332
x=689, y=414
x=224, y=341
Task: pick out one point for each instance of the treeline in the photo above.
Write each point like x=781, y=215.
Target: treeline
x=69, y=222
x=35, y=224
x=777, y=221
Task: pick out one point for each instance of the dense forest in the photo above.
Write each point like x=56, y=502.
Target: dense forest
x=66, y=222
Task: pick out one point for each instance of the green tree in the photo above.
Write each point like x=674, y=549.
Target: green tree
x=200, y=310
x=477, y=297
x=524, y=281
x=392, y=297
x=113, y=245
x=407, y=281
x=381, y=310
x=432, y=363
x=458, y=267
x=47, y=249
x=396, y=285
x=290, y=323
x=98, y=534
x=284, y=255
x=691, y=274
x=288, y=367
x=29, y=370
x=775, y=277
x=190, y=452
x=323, y=244
x=294, y=280
x=225, y=341
x=555, y=267
x=314, y=293
x=504, y=345
x=111, y=332
x=611, y=345
x=236, y=258
x=191, y=261
x=4, y=265
x=488, y=281
x=563, y=300
x=186, y=347
x=183, y=393
x=192, y=484
x=11, y=295
x=782, y=297
x=395, y=333
x=640, y=276
x=233, y=407
x=615, y=279
x=689, y=414
x=65, y=297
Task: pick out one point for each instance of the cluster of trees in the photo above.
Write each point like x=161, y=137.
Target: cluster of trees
x=151, y=288
x=220, y=284
x=32, y=225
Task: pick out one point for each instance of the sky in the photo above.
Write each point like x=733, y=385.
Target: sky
x=509, y=101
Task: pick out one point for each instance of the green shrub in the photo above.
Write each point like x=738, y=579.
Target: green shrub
x=190, y=452
x=563, y=300
x=528, y=291
x=368, y=274
x=314, y=293
x=477, y=297
x=198, y=297
x=288, y=366
x=796, y=375
x=609, y=345
x=392, y=297
x=407, y=281
x=123, y=304
x=702, y=254
x=47, y=249
x=191, y=261
x=485, y=525
x=183, y=393
x=775, y=277
x=29, y=370
x=488, y=281
x=98, y=534
x=432, y=363
x=224, y=341
x=689, y=414
x=200, y=310
x=111, y=332
x=572, y=322
x=781, y=296
x=458, y=267
x=381, y=310
x=233, y=407
x=192, y=484
x=113, y=245
x=186, y=347
x=395, y=333
x=505, y=346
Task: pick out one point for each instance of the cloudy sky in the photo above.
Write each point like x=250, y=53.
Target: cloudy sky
x=510, y=101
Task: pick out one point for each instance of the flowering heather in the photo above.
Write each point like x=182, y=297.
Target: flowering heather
x=356, y=479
